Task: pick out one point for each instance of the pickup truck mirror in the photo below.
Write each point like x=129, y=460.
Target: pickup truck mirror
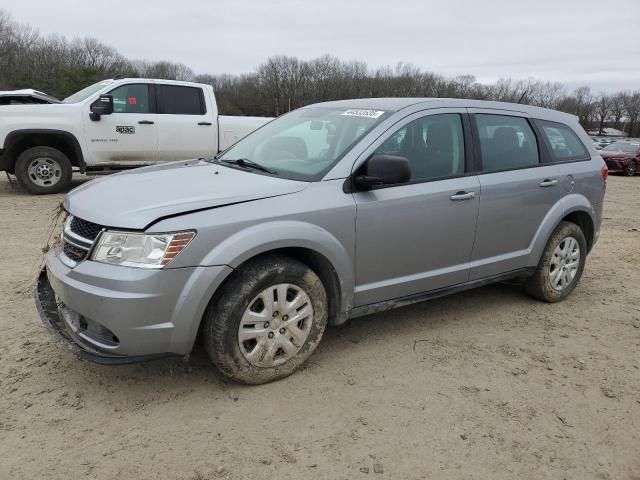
x=384, y=170
x=102, y=106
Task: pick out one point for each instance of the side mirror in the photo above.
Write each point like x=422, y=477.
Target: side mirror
x=102, y=106
x=384, y=170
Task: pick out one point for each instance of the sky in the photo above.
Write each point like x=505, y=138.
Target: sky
x=576, y=42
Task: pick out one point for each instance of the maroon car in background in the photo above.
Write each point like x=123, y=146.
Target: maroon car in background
x=622, y=157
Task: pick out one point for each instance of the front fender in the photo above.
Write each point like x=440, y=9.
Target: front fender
x=265, y=237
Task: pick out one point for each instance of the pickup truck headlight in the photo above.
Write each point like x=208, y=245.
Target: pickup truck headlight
x=140, y=249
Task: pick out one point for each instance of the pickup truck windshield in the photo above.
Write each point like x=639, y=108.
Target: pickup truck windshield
x=86, y=92
x=304, y=144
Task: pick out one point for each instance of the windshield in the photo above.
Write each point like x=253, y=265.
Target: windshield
x=306, y=143
x=622, y=147
x=86, y=92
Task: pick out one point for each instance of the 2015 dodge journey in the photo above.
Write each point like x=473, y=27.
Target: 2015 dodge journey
x=330, y=212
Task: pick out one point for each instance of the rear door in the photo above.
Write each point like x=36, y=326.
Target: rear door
x=186, y=127
x=418, y=236
x=519, y=186
x=129, y=135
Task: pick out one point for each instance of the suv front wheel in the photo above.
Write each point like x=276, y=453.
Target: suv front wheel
x=561, y=265
x=266, y=320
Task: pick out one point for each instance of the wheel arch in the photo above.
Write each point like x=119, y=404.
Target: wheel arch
x=18, y=141
x=586, y=224
x=307, y=243
x=574, y=208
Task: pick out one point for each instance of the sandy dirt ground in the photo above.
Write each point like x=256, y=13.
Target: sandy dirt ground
x=487, y=384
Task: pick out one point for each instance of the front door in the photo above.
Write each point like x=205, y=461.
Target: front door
x=416, y=237
x=517, y=191
x=129, y=135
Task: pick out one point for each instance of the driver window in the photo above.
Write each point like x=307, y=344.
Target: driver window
x=132, y=98
x=434, y=146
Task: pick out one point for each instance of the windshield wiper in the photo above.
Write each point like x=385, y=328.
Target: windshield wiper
x=246, y=163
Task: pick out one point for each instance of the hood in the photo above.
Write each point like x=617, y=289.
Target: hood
x=137, y=198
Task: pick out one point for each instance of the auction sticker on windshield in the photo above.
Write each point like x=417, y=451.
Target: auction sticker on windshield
x=363, y=113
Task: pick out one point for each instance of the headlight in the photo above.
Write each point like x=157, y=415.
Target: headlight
x=140, y=249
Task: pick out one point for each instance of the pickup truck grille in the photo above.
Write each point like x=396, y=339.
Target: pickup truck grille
x=78, y=238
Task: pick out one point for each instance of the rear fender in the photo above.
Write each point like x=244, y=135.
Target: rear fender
x=568, y=204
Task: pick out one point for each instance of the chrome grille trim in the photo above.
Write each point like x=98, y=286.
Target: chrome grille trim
x=74, y=241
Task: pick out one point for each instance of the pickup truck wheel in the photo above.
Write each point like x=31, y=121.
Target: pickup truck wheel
x=631, y=169
x=43, y=170
x=561, y=265
x=266, y=320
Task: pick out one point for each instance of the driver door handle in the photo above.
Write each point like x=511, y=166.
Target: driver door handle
x=549, y=182
x=460, y=196
x=208, y=124
x=145, y=122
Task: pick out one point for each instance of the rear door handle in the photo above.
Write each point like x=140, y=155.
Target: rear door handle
x=460, y=196
x=205, y=123
x=549, y=182
x=145, y=122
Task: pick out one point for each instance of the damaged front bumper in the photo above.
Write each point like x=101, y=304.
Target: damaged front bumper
x=59, y=322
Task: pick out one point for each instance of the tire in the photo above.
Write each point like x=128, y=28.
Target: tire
x=631, y=169
x=43, y=170
x=541, y=284
x=261, y=356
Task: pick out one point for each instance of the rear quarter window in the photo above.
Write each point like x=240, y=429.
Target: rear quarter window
x=563, y=143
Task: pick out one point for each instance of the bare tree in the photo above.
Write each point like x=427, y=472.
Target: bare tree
x=602, y=109
x=616, y=105
x=632, y=111
x=281, y=83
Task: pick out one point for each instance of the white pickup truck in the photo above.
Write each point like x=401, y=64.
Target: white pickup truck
x=113, y=125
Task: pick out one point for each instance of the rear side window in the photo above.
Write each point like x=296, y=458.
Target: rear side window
x=132, y=98
x=178, y=100
x=563, y=142
x=506, y=142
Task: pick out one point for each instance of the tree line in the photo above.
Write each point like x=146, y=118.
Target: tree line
x=59, y=66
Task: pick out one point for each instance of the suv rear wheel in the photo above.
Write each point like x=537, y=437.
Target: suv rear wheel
x=561, y=265
x=42, y=170
x=266, y=321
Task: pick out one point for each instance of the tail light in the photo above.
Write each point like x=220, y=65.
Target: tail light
x=605, y=173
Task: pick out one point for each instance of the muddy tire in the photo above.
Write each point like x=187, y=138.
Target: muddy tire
x=561, y=265
x=631, y=169
x=267, y=319
x=43, y=170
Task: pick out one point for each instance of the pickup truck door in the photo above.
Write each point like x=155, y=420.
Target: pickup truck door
x=186, y=123
x=129, y=135
x=416, y=237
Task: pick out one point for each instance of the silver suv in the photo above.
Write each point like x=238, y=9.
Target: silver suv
x=330, y=212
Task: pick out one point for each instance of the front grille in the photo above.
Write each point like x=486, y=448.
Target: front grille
x=74, y=253
x=84, y=228
x=78, y=238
